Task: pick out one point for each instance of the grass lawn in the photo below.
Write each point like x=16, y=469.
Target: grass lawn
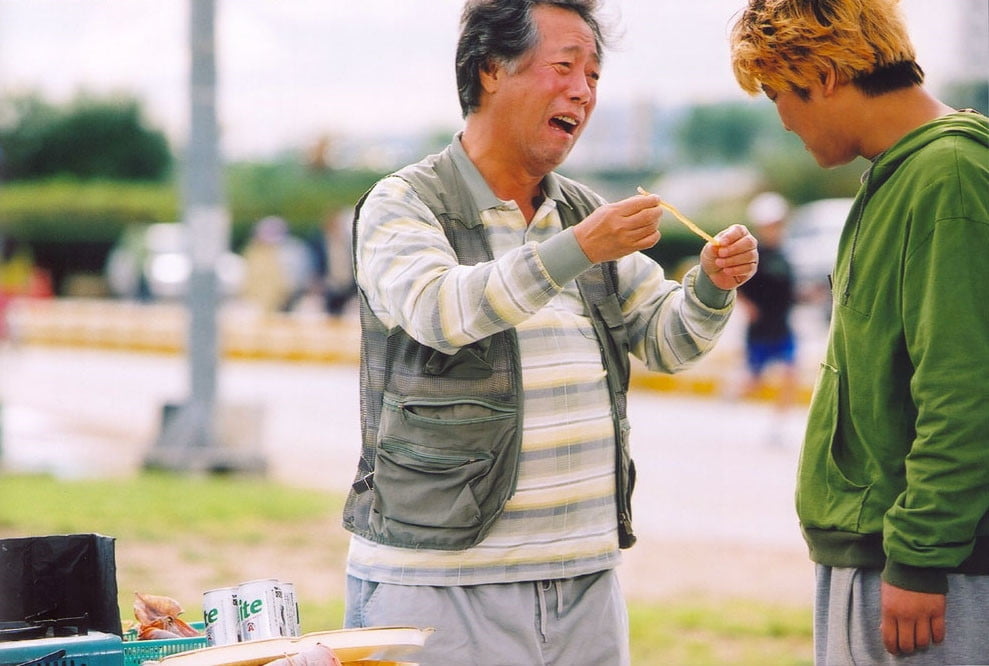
x=180, y=536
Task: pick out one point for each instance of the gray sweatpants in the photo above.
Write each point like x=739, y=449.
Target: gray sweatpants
x=846, y=622
x=568, y=622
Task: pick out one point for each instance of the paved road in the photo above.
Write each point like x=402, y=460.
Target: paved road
x=706, y=465
x=712, y=473
x=713, y=501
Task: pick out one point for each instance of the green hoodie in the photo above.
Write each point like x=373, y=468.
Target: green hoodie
x=894, y=472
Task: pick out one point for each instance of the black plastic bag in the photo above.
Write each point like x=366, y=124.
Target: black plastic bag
x=59, y=577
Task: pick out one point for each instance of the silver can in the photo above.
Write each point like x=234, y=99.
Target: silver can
x=290, y=610
x=260, y=609
x=221, y=616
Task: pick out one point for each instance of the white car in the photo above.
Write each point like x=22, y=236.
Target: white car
x=151, y=262
x=811, y=243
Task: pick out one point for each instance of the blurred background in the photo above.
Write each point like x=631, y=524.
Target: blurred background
x=312, y=102
x=315, y=100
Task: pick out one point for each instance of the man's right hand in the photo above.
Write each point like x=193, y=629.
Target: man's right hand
x=619, y=229
x=910, y=620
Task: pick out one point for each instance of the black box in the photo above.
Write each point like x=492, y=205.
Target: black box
x=60, y=576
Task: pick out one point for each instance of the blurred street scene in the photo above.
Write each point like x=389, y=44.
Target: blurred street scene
x=712, y=470
x=177, y=182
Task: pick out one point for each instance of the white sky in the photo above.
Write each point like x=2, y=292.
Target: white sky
x=290, y=70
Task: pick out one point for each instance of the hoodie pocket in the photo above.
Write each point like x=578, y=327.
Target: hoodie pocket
x=826, y=497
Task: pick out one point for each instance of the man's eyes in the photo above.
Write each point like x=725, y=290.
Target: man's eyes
x=565, y=68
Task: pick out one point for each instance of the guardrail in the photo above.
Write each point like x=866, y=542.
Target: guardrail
x=300, y=336
x=163, y=328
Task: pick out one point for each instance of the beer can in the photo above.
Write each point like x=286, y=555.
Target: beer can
x=260, y=609
x=290, y=610
x=221, y=616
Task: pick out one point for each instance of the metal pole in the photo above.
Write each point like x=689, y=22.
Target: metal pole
x=205, y=218
x=190, y=438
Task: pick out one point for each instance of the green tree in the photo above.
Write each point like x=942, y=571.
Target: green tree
x=726, y=132
x=89, y=138
x=968, y=94
x=787, y=167
x=750, y=132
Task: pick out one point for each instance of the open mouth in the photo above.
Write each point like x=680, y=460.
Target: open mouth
x=564, y=122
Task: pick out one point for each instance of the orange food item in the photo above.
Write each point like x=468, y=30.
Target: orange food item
x=686, y=221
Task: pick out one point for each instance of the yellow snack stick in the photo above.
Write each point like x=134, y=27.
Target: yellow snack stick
x=683, y=218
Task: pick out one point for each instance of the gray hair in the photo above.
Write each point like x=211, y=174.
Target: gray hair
x=502, y=32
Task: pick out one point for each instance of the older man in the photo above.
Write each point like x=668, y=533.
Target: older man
x=500, y=302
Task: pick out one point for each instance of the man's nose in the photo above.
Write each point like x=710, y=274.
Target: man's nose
x=580, y=90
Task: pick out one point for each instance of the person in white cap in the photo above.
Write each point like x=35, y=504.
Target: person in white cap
x=768, y=300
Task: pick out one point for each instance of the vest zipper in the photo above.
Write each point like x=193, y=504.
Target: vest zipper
x=416, y=453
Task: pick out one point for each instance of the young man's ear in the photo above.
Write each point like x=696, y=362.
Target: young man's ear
x=829, y=80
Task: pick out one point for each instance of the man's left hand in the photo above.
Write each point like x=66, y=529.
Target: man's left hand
x=910, y=620
x=732, y=259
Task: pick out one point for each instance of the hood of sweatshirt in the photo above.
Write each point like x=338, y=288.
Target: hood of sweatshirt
x=968, y=123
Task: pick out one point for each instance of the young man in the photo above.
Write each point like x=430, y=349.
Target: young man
x=499, y=304
x=893, y=483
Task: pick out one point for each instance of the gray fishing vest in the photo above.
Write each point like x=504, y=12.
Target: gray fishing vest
x=441, y=433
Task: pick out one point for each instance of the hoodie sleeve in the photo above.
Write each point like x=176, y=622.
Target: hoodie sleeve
x=935, y=521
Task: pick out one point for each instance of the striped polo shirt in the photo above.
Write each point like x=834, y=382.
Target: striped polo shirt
x=561, y=521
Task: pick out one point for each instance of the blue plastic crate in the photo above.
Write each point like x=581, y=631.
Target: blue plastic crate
x=137, y=652
x=94, y=649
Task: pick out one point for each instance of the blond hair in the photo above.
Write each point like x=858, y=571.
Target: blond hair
x=788, y=44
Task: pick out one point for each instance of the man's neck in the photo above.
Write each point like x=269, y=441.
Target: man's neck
x=888, y=118
x=508, y=179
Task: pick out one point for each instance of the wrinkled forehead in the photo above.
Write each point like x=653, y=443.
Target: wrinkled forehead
x=565, y=32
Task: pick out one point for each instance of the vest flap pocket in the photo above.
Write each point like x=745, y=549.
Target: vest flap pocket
x=440, y=471
x=423, y=485
x=614, y=341
x=470, y=362
x=610, y=311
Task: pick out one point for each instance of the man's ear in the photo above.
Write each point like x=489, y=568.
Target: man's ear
x=829, y=80
x=491, y=74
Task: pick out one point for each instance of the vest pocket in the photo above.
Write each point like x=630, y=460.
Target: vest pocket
x=422, y=485
x=433, y=481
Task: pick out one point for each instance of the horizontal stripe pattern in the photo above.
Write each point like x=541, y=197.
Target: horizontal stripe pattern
x=561, y=521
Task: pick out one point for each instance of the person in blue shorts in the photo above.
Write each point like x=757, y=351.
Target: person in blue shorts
x=768, y=300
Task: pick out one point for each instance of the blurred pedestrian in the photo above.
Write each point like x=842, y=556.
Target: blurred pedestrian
x=499, y=303
x=768, y=300
x=277, y=267
x=334, y=262
x=19, y=278
x=893, y=482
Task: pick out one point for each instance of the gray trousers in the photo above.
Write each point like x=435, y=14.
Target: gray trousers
x=846, y=622
x=568, y=622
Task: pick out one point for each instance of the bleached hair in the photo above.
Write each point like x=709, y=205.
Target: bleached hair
x=789, y=44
